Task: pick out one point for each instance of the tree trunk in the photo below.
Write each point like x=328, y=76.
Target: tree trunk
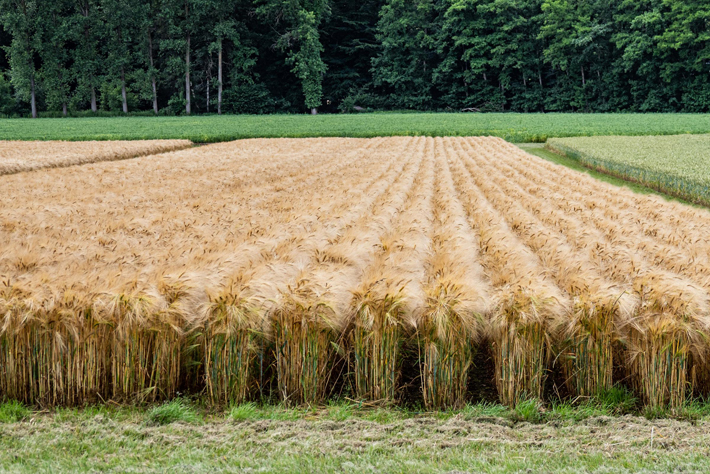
x=208, y=96
x=219, y=80
x=152, y=74
x=93, y=99
x=583, y=81
x=64, y=109
x=314, y=111
x=85, y=14
x=33, y=102
x=187, y=76
x=539, y=76
x=123, y=91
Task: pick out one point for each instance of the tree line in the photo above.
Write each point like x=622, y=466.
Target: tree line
x=172, y=57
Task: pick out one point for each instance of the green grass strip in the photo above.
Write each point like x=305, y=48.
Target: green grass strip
x=212, y=128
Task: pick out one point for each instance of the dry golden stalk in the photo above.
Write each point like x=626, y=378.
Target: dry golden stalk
x=230, y=336
x=520, y=343
x=52, y=354
x=382, y=296
x=315, y=262
x=146, y=359
x=447, y=333
x=303, y=332
x=297, y=239
x=142, y=332
x=377, y=338
x=666, y=337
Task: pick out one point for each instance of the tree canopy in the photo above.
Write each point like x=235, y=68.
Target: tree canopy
x=264, y=56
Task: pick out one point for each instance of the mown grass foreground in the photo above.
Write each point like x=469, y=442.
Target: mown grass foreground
x=677, y=165
x=202, y=129
x=341, y=437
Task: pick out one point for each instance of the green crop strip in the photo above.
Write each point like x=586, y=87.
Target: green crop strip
x=677, y=165
x=213, y=128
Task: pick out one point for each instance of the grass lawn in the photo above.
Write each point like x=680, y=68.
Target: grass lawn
x=180, y=437
x=512, y=127
x=677, y=165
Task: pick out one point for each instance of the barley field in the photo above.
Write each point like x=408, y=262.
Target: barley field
x=325, y=262
x=17, y=156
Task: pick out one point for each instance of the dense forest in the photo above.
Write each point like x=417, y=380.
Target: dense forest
x=62, y=57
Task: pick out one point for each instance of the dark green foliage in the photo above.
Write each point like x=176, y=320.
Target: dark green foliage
x=352, y=55
x=253, y=99
x=7, y=101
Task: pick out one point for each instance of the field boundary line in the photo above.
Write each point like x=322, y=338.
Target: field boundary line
x=647, y=178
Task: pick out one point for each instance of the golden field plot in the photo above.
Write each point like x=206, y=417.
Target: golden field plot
x=318, y=259
x=17, y=156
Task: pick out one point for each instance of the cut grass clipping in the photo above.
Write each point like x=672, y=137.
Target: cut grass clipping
x=13, y=411
x=177, y=410
x=300, y=270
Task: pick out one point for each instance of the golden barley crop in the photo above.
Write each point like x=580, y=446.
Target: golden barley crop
x=320, y=263
x=18, y=156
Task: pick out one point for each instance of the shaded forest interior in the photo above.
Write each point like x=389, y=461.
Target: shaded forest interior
x=175, y=57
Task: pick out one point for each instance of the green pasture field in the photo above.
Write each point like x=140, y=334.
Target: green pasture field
x=213, y=128
x=678, y=165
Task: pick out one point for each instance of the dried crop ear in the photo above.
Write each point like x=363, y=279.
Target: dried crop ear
x=54, y=353
x=624, y=235
x=584, y=336
x=303, y=329
x=448, y=330
x=667, y=336
x=450, y=322
x=521, y=342
x=587, y=339
x=18, y=312
x=526, y=302
x=146, y=361
x=377, y=336
x=17, y=156
x=231, y=323
x=154, y=327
